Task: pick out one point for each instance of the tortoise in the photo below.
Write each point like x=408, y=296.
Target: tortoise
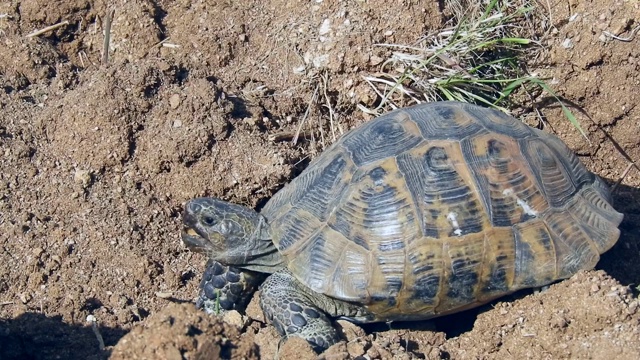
x=419, y=213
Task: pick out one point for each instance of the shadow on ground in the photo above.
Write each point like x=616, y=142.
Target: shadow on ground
x=34, y=336
x=623, y=261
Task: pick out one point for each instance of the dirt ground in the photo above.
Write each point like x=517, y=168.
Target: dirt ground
x=202, y=98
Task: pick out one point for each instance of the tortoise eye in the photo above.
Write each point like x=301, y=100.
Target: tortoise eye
x=208, y=220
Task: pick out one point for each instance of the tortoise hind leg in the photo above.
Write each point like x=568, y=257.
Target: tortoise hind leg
x=290, y=307
x=226, y=288
x=296, y=310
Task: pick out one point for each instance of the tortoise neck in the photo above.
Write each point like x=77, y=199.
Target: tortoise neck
x=264, y=256
x=269, y=262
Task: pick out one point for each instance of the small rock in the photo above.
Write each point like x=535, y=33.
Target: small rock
x=254, y=311
x=235, y=318
x=208, y=350
x=567, y=43
x=383, y=351
x=376, y=60
x=355, y=349
x=174, y=101
x=299, y=70
x=82, y=177
x=250, y=121
x=25, y=298
x=351, y=331
x=325, y=28
x=373, y=353
x=164, y=294
x=336, y=352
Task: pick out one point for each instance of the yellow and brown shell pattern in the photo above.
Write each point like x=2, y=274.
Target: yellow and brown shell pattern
x=440, y=207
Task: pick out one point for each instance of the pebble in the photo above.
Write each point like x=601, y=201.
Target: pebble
x=376, y=60
x=355, y=349
x=25, y=298
x=351, y=331
x=234, y=318
x=633, y=307
x=174, y=101
x=567, y=43
x=82, y=177
x=325, y=28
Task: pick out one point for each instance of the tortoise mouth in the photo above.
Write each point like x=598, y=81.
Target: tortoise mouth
x=193, y=240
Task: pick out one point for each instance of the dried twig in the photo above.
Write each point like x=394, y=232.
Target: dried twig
x=92, y=319
x=107, y=37
x=625, y=39
x=332, y=126
x=306, y=113
x=47, y=29
x=624, y=174
x=288, y=135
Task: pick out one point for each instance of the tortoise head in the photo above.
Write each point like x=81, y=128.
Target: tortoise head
x=230, y=234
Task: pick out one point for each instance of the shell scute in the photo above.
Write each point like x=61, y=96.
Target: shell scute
x=446, y=122
x=535, y=255
x=377, y=140
x=444, y=197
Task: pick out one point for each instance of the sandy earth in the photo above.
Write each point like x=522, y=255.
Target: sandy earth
x=97, y=162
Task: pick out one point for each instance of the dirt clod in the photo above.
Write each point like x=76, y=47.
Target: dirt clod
x=182, y=331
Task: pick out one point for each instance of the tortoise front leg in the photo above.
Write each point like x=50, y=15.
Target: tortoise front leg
x=226, y=288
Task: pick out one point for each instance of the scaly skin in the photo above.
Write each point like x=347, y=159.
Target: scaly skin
x=226, y=288
x=292, y=311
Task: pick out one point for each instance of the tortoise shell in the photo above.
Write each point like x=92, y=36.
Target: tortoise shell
x=439, y=207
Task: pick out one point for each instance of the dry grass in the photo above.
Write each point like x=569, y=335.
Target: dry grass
x=480, y=57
